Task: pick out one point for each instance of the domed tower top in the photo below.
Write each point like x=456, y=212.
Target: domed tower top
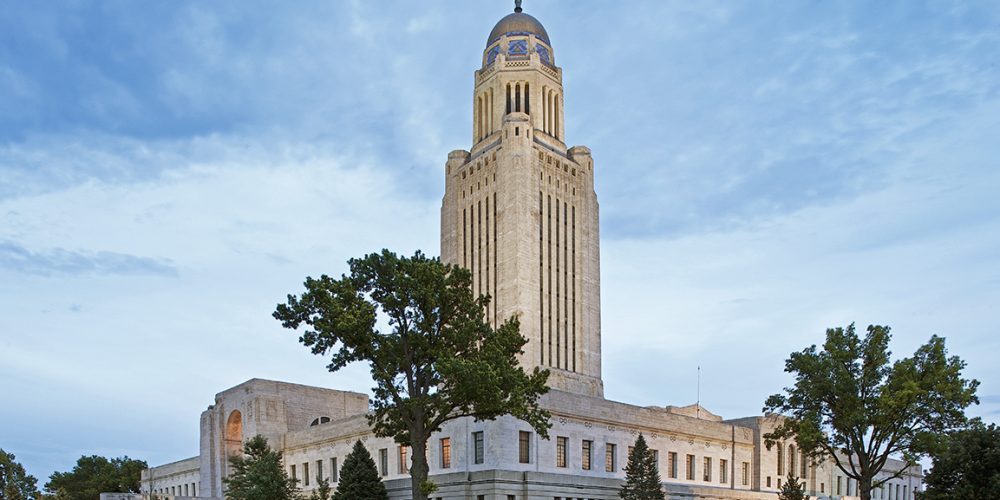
x=518, y=23
x=516, y=36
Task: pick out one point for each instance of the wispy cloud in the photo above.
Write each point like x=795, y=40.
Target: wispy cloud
x=63, y=262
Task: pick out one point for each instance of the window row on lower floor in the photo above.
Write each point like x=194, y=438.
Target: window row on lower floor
x=182, y=490
x=707, y=469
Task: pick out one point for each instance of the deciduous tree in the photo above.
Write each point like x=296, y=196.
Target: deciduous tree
x=15, y=482
x=438, y=360
x=642, y=479
x=359, y=478
x=259, y=475
x=851, y=404
x=968, y=466
x=94, y=475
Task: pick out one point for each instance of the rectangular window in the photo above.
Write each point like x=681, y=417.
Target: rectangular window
x=672, y=465
x=723, y=470
x=656, y=460
x=383, y=461
x=781, y=461
x=561, y=442
x=305, y=473
x=707, y=472
x=524, y=447
x=294, y=476
x=445, y=453
x=585, y=454
x=333, y=470
x=319, y=470
x=839, y=479
x=477, y=447
x=609, y=457
x=631, y=449
x=404, y=463
x=690, y=467
x=746, y=473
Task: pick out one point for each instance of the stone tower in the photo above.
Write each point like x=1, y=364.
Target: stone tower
x=520, y=211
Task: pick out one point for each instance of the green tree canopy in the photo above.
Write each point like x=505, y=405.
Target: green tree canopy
x=322, y=491
x=15, y=482
x=259, y=475
x=94, y=475
x=792, y=489
x=968, y=466
x=852, y=405
x=439, y=360
x=642, y=479
x=359, y=478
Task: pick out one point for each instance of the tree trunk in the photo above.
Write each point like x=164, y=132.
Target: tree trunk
x=865, y=488
x=418, y=467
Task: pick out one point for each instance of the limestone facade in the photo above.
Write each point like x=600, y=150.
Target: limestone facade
x=700, y=455
x=520, y=212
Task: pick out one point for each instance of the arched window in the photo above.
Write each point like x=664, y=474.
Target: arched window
x=319, y=420
x=517, y=97
x=791, y=458
x=234, y=434
x=781, y=461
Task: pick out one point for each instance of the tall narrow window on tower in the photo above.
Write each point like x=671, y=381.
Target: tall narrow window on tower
x=555, y=117
x=541, y=278
x=565, y=293
x=517, y=97
x=558, y=315
x=548, y=271
x=573, y=280
x=545, y=111
x=486, y=230
x=527, y=99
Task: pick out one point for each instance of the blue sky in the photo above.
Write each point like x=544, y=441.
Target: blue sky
x=170, y=170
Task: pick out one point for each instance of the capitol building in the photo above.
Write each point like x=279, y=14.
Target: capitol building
x=520, y=212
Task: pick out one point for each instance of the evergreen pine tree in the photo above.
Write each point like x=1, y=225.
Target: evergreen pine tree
x=642, y=480
x=322, y=491
x=792, y=489
x=359, y=478
x=259, y=475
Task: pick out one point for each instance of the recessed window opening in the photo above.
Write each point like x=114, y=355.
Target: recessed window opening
x=319, y=420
